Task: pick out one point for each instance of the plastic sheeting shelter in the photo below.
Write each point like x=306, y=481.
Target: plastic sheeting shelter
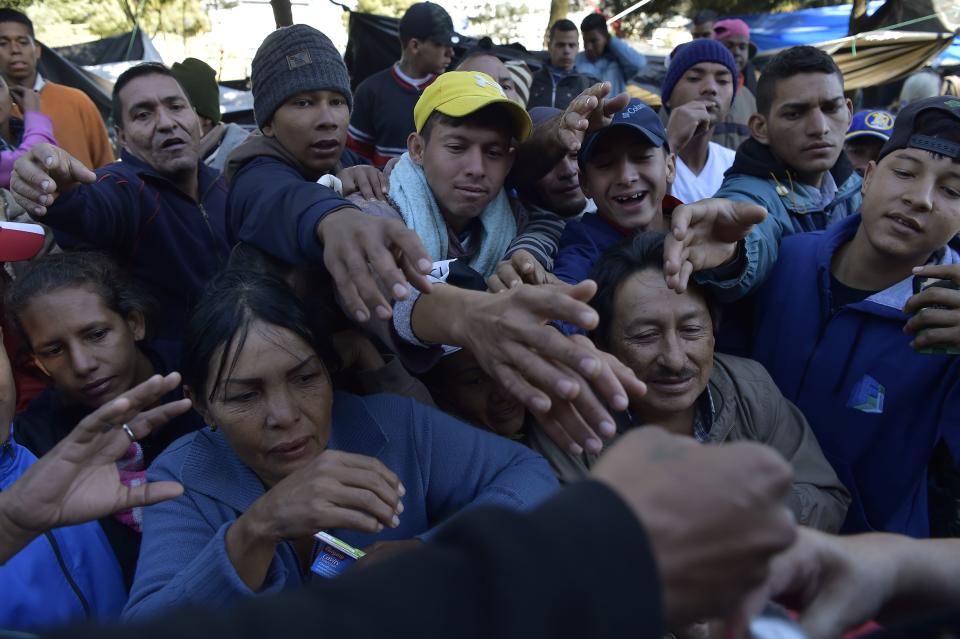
x=872, y=59
x=829, y=24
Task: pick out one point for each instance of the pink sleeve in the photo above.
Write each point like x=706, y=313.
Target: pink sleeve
x=37, y=128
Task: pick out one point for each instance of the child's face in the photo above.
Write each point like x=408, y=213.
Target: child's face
x=911, y=203
x=627, y=178
x=312, y=126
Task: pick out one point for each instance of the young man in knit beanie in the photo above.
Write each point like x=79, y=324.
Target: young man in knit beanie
x=199, y=80
x=697, y=92
x=302, y=102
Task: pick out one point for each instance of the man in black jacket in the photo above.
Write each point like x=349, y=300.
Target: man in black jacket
x=557, y=83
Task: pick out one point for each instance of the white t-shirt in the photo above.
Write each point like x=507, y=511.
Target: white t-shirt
x=688, y=187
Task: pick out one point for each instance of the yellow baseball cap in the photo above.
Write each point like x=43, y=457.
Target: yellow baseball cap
x=460, y=93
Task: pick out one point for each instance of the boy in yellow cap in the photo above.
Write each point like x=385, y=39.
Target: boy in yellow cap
x=448, y=186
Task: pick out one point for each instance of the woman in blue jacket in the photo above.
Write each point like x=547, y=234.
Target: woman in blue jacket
x=285, y=457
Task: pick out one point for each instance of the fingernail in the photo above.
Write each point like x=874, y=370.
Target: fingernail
x=45, y=185
x=38, y=210
x=424, y=266
x=587, y=319
x=400, y=291
x=565, y=387
x=541, y=405
x=620, y=402
x=917, y=269
x=383, y=312
x=594, y=445
x=574, y=449
x=395, y=521
x=48, y=161
x=401, y=490
x=589, y=365
x=607, y=429
x=379, y=527
x=361, y=316
x=399, y=508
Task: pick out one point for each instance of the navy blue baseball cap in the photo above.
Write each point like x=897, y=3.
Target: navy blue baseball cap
x=871, y=124
x=637, y=116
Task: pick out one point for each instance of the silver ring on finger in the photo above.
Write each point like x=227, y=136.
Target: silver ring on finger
x=129, y=433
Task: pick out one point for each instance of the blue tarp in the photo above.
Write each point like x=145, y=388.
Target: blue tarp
x=809, y=26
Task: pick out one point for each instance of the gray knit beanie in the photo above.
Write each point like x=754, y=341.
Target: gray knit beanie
x=291, y=60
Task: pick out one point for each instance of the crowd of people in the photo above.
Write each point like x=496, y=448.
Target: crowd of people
x=540, y=358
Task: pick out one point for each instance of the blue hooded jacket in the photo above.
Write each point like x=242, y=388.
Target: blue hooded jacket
x=63, y=576
x=445, y=466
x=170, y=242
x=757, y=176
x=878, y=408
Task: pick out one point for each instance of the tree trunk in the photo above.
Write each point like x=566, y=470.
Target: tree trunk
x=282, y=13
x=558, y=10
x=857, y=14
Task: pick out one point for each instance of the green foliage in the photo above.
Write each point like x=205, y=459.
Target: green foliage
x=500, y=21
x=109, y=17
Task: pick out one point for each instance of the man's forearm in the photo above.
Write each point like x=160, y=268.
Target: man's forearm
x=441, y=317
x=926, y=576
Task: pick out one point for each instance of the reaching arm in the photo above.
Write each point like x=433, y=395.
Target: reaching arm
x=838, y=583
x=78, y=480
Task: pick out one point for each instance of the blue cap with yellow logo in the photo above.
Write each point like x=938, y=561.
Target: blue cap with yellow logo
x=872, y=123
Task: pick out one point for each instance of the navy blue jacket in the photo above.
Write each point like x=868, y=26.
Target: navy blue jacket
x=273, y=207
x=878, y=408
x=444, y=464
x=169, y=242
x=63, y=576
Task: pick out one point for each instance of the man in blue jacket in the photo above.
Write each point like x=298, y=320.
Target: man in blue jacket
x=606, y=56
x=160, y=210
x=842, y=330
x=793, y=165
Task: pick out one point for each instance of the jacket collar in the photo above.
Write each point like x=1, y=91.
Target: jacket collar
x=890, y=300
x=757, y=160
x=206, y=176
x=211, y=467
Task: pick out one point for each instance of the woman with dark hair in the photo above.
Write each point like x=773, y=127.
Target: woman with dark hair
x=83, y=323
x=285, y=457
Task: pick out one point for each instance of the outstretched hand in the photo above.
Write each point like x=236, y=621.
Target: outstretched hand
x=42, y=174
x=588, y=112
x=705, y=235
x=565, y=381
x=78, y=480
x=361, y=250
x=520, y=268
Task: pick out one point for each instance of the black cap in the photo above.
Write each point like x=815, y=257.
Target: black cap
x=427, y=21
x=903, y=136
